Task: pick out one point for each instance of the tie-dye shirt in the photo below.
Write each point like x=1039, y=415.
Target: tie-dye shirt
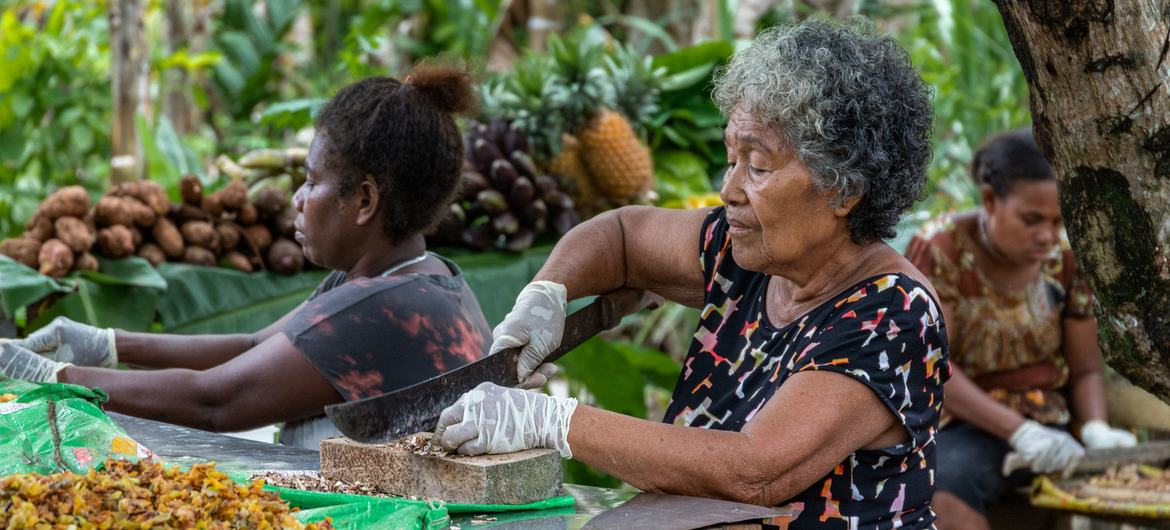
x=886, y=332
x=370, y=336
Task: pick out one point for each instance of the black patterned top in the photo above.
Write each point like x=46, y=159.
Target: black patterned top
x=886, y=332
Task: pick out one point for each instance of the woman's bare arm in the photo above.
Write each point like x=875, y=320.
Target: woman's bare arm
x=269, y=383
x=813, y=422
x=637, y=246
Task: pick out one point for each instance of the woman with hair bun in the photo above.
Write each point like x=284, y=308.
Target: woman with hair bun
x=1022, y=335
x=383, y=167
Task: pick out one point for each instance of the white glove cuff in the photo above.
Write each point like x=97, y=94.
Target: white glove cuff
x=565, y=408
x=111, y=360
x=1023, y=431
x=1093, y=428
x=555, y=291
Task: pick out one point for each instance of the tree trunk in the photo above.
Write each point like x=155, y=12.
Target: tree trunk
x=1098, y=73
x=130, y=68
x=177, y=105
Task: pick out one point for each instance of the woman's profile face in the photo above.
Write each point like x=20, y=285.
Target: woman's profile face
x=775, y=213
x=319, y=212
x=1024, y=225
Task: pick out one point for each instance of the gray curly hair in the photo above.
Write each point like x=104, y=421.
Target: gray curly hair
x=850, y=104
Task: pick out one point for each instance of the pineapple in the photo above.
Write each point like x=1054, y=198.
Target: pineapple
x=568, y=164
x=618, y=162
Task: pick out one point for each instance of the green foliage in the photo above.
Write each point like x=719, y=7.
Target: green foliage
x=250, y=45
x=121, y=295
x=54, y=104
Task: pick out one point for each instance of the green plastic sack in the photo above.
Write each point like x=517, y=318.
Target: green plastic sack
x=58, y=427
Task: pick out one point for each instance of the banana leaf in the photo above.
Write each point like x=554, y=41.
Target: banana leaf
x=212, y=300
x=21, y=285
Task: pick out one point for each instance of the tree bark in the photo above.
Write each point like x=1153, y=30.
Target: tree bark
x=129, y=72
x=177, y=104
x=1098, y=74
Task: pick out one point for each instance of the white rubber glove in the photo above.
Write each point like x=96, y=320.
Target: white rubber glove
x=1047, y=449
x=17, y=362
x=536, y=323
x=539, y=377
x=71, y=342
x=494, y=419
x=1097, y=434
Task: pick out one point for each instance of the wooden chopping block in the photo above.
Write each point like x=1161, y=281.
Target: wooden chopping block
x=405, y=468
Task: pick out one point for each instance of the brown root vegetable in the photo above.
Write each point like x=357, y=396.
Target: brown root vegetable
x=233, y=196
x=70, y=200
x=24, y=249
x=39, y=227
x=200, y=234
x=212, y=204
x=125, y=211
x=248, y=215
x=286, y=223
x=55, y=258
x=270, y=202
x=152, y=253
x=199, y=256
x=86, y=262
x=182, y=213
x=237, y=261
x=286, y=257
x=151, y=194
x=168, y=237
x=259, y=236
x=229, y=235
x=135, y=236
x=191, y=189
x=116, y=241
x=74, y=232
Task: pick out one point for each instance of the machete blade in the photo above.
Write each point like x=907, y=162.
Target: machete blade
x=416, y=408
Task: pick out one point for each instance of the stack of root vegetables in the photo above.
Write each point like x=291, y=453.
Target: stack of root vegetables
x=504, y=201
x=221, y=228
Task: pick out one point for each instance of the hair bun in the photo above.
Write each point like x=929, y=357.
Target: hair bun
x=447, y=87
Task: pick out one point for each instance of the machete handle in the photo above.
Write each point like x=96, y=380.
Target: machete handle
x=604, y=313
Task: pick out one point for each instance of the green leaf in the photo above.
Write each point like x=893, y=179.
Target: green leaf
x=615, y=374
x=687, y=78
x=96, y=304
x=680, y=174
x=21, y=285
x=710, y=52
x=294, y=114
x=211, y=300
x=131, y=272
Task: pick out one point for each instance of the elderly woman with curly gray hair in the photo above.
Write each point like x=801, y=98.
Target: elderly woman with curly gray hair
x=814, y=379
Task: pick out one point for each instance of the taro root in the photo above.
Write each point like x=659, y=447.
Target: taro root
x=70, y=200
x=86, y=262
x=248, y=215
x=237, y=261
x=200, y=233
x=286, y=223
x=135, y=236
x=149, y=193
x=191, y=190
x=24, y=249
x=286, y=257
x=471, y=183
x=212, y=204
x=168, y=237
x=182, y=213
x=55, y=258
x=152, y=253
x=199, y=256
x=125, y=211
x=503, y=174
x=74, y=232
x=270, y=202
x=259, y=236
x=233, y=196
x=229, y=235
x=116, y=241
x=39, y=227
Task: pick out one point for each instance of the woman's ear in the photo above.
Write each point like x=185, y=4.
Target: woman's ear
x=847, y=206
x=990, y=199
x=369, y=199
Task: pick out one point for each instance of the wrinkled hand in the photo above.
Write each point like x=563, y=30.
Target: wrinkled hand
x=536, y=323
x=17, y=362
x=1097, y=434
x=1048, y=450
x=494, y=419
x=67, y=341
